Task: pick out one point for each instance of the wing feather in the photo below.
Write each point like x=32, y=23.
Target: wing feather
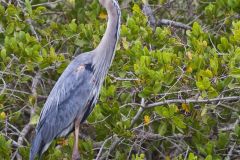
x=67, y=99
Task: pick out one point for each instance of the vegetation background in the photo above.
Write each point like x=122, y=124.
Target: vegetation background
x=172, y=92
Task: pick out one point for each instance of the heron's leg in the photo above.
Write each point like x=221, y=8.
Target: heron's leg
x=75, y=154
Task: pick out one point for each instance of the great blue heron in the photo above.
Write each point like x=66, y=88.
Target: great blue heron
x=76, y=92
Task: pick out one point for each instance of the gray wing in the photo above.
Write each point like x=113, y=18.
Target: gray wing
x=73, y=95
x=68, y=98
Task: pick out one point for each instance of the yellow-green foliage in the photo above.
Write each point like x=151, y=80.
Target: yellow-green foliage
x=151, y=65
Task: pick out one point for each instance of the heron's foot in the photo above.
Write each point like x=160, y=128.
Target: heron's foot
x=75, y=155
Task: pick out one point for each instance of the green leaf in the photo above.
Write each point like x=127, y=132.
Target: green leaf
x=24, y=152
x=73, y=25
x=3, y=53
x=2, y=10
x=5, y=148
x=163, y=111
x=178, y=122
x=10, y=28
x=224, y=46
x=237, y=131
x=145, y=60
x=191, y=156
x=28, y=6
x=209, y=157
x=12, y=11
x=209, y=148
x=21, y=36
x=13, y=45
x=212, y=93
x=196, y=29
x=235, y=73
x=34, y=119
x=136, y=8
x=80, y=42
x=162, y=129
x=214, y=64
x=223, y=140
x=204, y=83
x=210, y=9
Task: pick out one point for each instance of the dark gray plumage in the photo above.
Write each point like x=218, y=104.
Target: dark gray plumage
x=70, y=92
x=75, y=93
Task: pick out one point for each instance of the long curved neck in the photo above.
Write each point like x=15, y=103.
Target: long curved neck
x=106, y=48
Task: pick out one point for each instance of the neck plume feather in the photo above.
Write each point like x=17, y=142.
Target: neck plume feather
x=105, y=51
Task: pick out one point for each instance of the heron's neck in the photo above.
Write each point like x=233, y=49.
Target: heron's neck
x=106, y=48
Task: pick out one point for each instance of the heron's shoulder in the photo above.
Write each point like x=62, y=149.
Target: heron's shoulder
x=82, y=62
x=84, y=57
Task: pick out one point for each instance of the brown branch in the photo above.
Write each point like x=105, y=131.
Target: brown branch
x=152, y=21
x=173, y=24
x=173, y=139
x=101, y=149
x=23, y=134
x=164, y=102
x=140, y=111
x=29, y=22
x=143, y=106
x=230, y=152
x=123, y=79
x=114, y=144
x=39, y=97
x=48, y=4
x=231, y=126
x=149, y=13
x=153, y=136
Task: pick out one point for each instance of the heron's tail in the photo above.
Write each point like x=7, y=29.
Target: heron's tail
x=36, y=147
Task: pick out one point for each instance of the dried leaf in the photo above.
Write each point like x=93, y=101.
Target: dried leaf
x=102, y=15
x=146, y=119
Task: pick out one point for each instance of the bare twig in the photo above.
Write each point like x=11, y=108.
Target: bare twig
x=230, y=152
x=149, y=13
x=29, y=22
x=48, y=4
x=29, y=126
x=140, y=111
x=152, y=136
x=4, y=86
x=186, y=155
x=164, y=102
x=115, y=142
x=101, y=149
x=173, y=24
x=231, y=126
x=143, y=106
x=228, y=107
x=123, y=79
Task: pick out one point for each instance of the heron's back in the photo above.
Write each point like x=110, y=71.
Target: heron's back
x=74, y=95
